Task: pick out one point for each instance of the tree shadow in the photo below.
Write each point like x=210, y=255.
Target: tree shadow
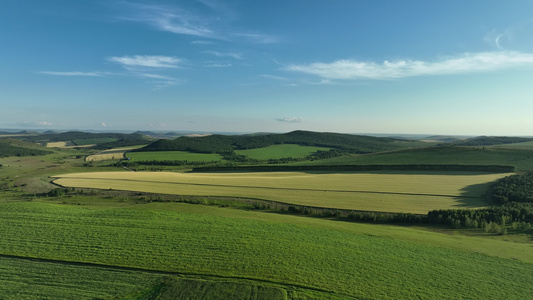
x=474, y=195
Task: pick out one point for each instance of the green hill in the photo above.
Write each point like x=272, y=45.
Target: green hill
x=492, y=140
x=225, y=143
x=12, y=147
x=522, y=158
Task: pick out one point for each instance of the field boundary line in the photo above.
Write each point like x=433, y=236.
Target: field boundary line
x=274, y=188
x=160, y=272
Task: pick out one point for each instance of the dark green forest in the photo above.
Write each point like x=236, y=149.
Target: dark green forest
x=10, y=147
x=342, y=143
x=514, y=188
x=492, y=140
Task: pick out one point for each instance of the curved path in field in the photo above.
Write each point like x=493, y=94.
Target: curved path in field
x=280, y=188
x=152, y=271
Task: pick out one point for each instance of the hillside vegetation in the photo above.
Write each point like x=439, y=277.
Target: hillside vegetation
x=225, y=143
x=11, y=147
x=521, y=158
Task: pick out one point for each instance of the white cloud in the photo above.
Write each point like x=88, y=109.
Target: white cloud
x=160, y=84
x=214, y=64
x=466, y=63
x=201, y=42
x=74, y=73
x=211, y=24
x=104, y=124
x=150, y=61
x=170, y=18
x=36, y=124
x=258, y=38
x=225, y=54
x=274, y=77
x=290, y=120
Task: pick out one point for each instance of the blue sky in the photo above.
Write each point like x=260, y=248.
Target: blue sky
x=414, y=67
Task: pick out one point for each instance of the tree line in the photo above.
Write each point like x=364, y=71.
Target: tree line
x=356, y=144
x=514, y=188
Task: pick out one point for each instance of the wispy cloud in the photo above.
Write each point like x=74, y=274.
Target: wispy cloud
x=150, y=61
x=465, y=63
x=274, y=77
x=215, y=64
x=290, y=120
x=161, y=84
x=225, y=54
x=258, y=38
x=211, y=23
x=169, y=18
x=201, y=42
x=74, y=73
x=36, y=124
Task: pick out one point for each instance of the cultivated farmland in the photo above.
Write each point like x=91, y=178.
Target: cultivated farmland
x=412, y=192
x=319, y=256
x=173, y=156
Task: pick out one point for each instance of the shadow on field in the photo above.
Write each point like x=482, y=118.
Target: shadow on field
x=473, y=196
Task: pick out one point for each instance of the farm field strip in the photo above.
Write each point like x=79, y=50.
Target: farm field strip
x=388, y=192
x=172, y=155
x=278, y=188
x=117, y=153
x=352, y=260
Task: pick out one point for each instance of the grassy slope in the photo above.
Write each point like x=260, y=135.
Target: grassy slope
x=32, y=279
x=378, y=191
x=521, y=158
x=280, y=151
x=374, y=262
x=173, y=155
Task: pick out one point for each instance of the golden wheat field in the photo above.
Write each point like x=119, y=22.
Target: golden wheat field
x=414, y=192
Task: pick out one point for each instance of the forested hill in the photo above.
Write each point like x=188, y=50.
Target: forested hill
x=491, y=140
x=12, y=147
x=225, y=143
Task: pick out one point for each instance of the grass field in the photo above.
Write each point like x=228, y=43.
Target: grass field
x=522, y=158
x=524, y=145
x=414, y=192
x=173, y=155
x=354, y=260
x=280, y=151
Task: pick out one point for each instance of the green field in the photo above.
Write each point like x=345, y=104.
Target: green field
x=522, y=158
x=414, y=192
x=280, y=151
x=345, y=259
x=525, y=145
x=173, y=155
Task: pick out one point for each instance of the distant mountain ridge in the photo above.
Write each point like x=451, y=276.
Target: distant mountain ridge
x=225, y=143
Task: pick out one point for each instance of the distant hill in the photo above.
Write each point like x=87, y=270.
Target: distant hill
x=225, y=143
x=491, y=140
x=13, y=147
x=100, y=140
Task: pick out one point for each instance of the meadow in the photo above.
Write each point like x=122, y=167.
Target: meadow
x=280, y=151
x=102, y=243
x=318, y=256
x=172, y=156
x=520, y=157
x=412, y=192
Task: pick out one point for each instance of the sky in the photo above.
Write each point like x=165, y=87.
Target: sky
x=455, y=67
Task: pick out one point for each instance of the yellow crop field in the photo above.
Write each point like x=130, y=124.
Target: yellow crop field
x=414, y=192
x=65, y=144
x=117, y=153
